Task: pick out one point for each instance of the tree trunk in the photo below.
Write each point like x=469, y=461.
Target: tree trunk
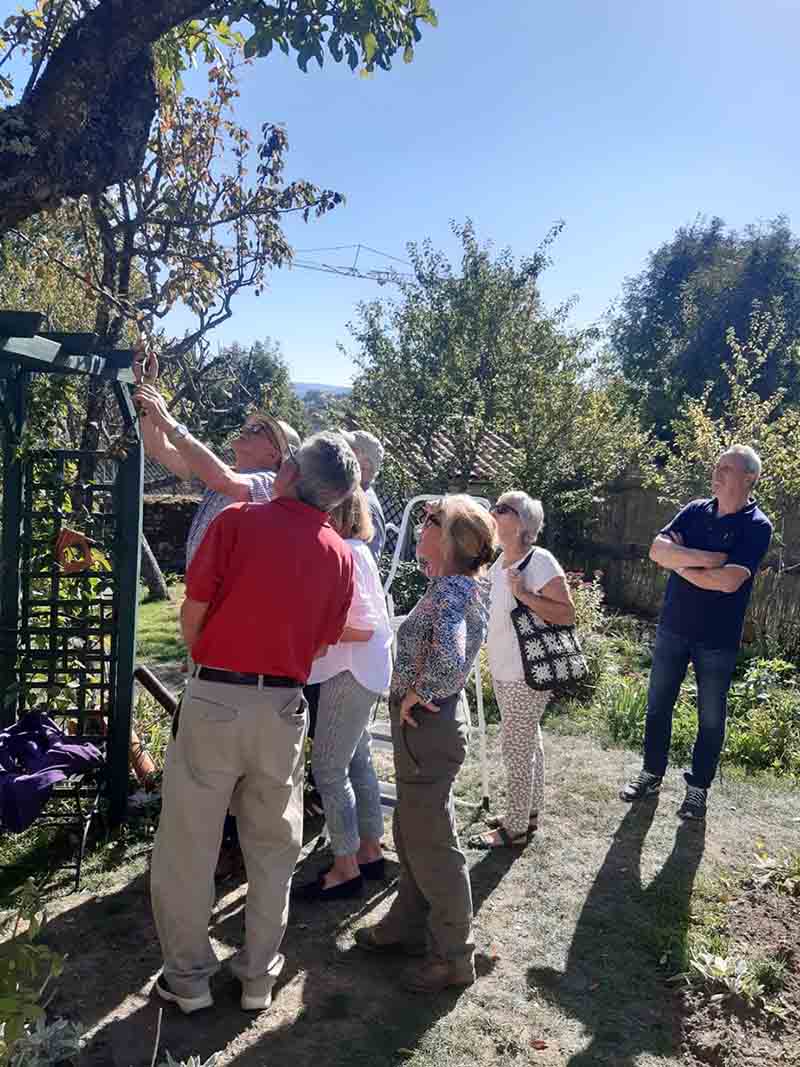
x=85, y=123
x=152, y=576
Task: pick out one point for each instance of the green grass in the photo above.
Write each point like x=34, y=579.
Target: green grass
x=158, y=633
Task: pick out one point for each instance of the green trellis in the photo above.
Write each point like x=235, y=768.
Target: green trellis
x=68, y=640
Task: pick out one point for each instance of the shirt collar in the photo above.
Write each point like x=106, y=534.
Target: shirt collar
x=748, y=509
x=302, y=510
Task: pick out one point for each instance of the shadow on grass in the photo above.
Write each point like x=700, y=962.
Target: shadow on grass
x=612, y=982
x=334, y=1004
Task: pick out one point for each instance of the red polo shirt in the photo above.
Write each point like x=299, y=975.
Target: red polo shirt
x=278, y=580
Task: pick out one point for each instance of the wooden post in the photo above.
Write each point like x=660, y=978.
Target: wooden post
x=16, y=387
x=128, y=510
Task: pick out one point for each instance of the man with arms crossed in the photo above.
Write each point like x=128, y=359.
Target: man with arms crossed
x=712, y=549
x=268, y=590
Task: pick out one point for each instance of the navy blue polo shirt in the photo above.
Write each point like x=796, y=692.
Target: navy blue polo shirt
x=713, y=618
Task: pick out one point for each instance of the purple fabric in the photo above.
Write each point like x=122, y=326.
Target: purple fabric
x=34, y=756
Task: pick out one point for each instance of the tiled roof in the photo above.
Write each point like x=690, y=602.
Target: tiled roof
x=495, y=460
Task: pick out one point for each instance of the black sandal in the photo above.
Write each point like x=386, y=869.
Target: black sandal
x=480, y=842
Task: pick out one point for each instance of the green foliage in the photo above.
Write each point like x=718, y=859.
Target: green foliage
x=193, y=1061
x=700, y=435
x=669, y=334
x=472, y=352
x=353, y=30
x=26, y=969
x=726, y=976
x=782, y=872
x=764, y=718
x=46, y=1044
x=242, y=380
x=408, y=585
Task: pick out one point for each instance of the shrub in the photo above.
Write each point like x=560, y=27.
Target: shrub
x=587, y=595
x=26, y=969
x=764, y=718
x=408, y=585
x=44, y=1044
x=623, y=703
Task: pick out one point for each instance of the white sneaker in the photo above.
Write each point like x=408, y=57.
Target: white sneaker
x=254, y=998
x=186, y=1004
x=257, y=992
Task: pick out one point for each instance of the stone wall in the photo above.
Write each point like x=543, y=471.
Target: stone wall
x=166, y=521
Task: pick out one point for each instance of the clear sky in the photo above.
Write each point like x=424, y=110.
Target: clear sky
x=623, y=119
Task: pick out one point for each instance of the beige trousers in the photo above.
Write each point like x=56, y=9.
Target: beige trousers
x=237, y=746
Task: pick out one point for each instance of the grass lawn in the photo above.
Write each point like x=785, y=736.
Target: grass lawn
x=579, y=937
x=159, y=639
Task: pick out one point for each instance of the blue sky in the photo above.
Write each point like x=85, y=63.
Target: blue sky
x=625, y=120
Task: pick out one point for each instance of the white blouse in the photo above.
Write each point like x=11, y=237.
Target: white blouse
x=370, y=662
x=502, y=646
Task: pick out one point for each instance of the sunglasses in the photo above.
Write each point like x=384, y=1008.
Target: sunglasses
x=503, y=509
x=429, y=520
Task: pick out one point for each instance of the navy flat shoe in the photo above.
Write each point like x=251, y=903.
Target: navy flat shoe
x=317, y=890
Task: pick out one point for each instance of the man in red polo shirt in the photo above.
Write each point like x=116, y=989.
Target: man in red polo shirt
x=268, y=590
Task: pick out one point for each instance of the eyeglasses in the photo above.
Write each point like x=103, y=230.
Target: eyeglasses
x=503, y=509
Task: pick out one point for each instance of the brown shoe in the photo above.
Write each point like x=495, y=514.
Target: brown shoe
x=369, y=938
x=433, y=976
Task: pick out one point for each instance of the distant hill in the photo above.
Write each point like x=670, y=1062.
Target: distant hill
x=301, y=388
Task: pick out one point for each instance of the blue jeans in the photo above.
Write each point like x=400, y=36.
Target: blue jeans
x=714, y=670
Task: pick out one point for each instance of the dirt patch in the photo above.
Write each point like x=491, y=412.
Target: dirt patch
x=762, y=923
x=575, y=936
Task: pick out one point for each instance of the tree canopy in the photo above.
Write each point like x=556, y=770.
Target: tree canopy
x=98, y=68
x=469, y=377
x=669, y=334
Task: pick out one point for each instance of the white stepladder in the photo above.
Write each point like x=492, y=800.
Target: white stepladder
x=413, y=514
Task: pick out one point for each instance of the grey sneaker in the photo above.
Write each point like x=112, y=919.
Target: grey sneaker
x=694, y=804
x=643, y=785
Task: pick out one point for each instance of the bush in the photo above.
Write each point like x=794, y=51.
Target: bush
x=407, y=587
x=587, y=595
x=26, y=969
x=764, y=718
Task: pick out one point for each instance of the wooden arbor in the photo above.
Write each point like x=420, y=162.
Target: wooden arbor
x=71, y=534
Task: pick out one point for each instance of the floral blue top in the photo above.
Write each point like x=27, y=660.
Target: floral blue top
x=438, y=642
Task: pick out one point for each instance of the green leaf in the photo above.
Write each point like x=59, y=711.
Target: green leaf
x=408, y=54
x=251, y=46
x=370, y=45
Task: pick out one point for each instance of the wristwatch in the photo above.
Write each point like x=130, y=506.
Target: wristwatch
x=178, y=432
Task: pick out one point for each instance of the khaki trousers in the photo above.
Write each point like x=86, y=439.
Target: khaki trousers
x=237, y=746
x=434, y=900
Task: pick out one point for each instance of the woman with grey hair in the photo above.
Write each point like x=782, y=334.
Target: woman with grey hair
x=523, y=572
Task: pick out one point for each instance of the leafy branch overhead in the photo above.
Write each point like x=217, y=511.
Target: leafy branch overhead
x=83, y=119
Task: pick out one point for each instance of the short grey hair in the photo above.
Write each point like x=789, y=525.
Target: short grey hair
x=529, y=511
x=328, y=470
x=751, y=461
x=369, y=451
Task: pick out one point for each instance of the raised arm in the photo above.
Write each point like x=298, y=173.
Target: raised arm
x=185, y=455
